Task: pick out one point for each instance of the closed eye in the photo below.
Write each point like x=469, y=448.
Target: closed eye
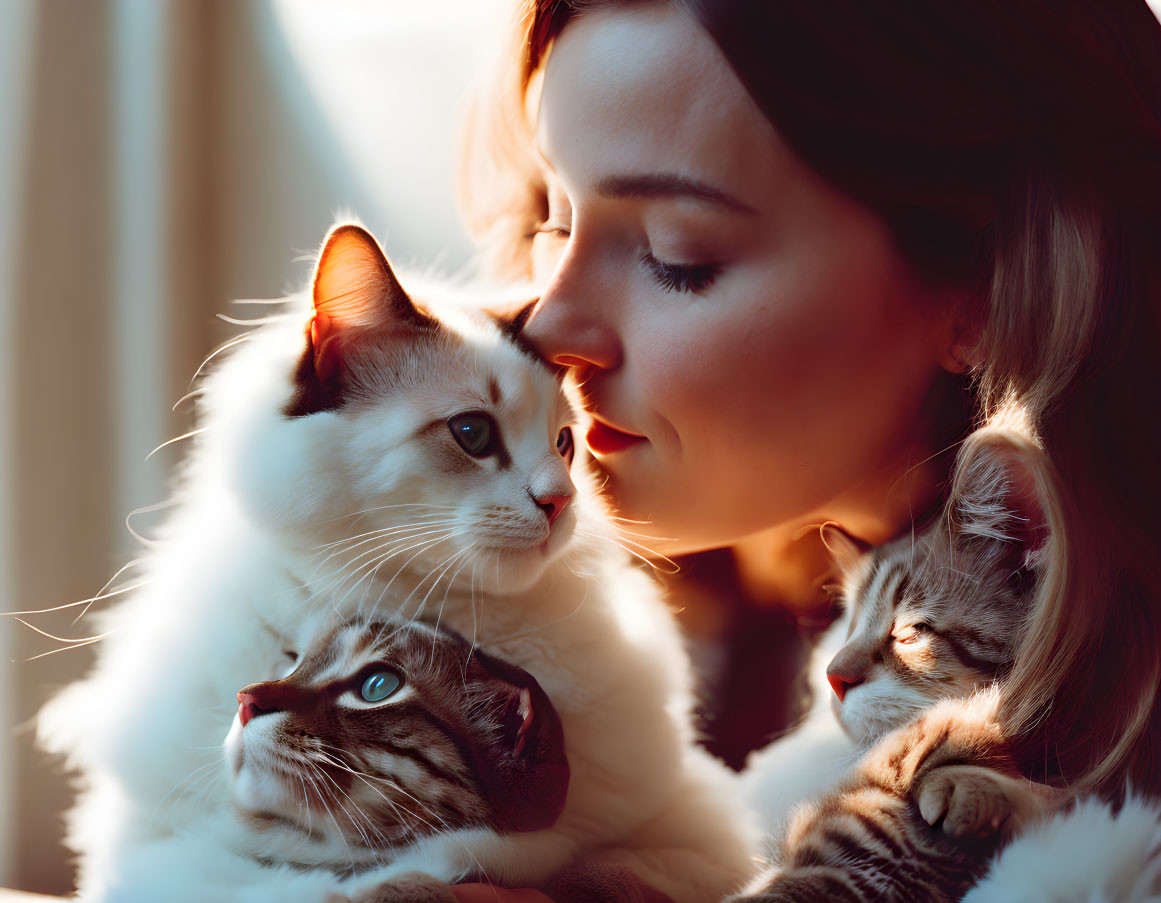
x=680, y=277
x=561, y=232
x=912, y=633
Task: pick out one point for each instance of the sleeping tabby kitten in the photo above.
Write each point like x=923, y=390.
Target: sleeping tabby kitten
x=933, y=617
x=384, y=733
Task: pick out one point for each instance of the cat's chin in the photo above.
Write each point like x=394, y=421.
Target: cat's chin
x=257, y=789
x=518, y=569
x=867, y=713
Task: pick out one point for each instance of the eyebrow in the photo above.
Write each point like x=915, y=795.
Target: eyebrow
x=665, y=185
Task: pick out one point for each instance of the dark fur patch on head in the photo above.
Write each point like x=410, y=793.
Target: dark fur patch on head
x=513, y=330
x=371, y=364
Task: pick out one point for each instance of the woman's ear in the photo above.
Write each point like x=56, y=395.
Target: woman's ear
x=961, y=335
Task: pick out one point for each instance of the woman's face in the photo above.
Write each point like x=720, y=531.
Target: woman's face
x=752, y=348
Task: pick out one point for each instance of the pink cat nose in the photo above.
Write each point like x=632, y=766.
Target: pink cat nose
x=552, y=504
x=840, y=682
x=248, y=708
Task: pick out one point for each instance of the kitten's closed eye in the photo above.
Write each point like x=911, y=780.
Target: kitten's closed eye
x=912, y=633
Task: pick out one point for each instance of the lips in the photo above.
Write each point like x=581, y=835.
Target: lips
x=603, y=439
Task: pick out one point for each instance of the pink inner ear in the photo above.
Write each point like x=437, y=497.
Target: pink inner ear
x=350, y=284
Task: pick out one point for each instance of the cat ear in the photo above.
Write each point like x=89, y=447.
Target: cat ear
x=354, y=297
x=355, y=289
x=523, y=768
x=1000, y=479
x=845, y=550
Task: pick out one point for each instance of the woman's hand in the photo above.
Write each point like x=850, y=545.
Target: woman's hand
x=489, y=893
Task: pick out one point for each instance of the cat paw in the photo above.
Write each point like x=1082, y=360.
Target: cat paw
x=971, y=801
x=414, y=887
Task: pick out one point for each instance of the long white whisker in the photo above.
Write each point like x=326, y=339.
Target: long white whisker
x=385, y=507
x=169, y=442
x=368, y=779
x=379, y=534
x=403, y=567
x=322, y=799
x=445, y=564
x=60, y=639
x=382, y=530
x=237, y=340
x=422, y=547
x=625, y=544
x=33, y=658
x=385, y=553
x=341, y=576
x=90, y=601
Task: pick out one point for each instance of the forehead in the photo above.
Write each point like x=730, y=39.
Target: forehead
x=645, y=88
x=347, y=647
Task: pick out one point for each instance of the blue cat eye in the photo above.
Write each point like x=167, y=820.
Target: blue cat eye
x=380, y=685
x=476, y=433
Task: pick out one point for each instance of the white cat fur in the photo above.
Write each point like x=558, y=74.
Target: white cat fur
x=236, y=571
x=813, y=757
x=1087, y=855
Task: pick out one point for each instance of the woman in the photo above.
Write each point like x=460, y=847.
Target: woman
x=792, y=251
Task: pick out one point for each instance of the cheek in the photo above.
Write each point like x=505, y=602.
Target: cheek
x=820, y=380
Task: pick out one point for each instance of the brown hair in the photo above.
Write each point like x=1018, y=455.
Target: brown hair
x=1014, y=148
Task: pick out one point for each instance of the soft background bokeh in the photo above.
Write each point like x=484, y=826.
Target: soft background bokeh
x=157, y=159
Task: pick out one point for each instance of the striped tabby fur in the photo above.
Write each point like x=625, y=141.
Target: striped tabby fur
x=932, y=617
x=322, y=777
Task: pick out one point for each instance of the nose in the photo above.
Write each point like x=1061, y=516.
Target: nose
x=552, y=504
x=249, y=707
x=842, y=679
x=567, y=326
x=272, y=696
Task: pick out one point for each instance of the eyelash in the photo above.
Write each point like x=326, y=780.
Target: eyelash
x=681, y=277
x=918, y=629
x=670, y=276
x=545, y=229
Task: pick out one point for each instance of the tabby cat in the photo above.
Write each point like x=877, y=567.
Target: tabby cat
x=933, y=617
x=384, y=733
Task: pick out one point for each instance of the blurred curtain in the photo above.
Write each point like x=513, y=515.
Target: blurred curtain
x=16, y=19
x=158, y=158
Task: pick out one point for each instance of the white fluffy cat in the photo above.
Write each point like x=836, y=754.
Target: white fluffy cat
x=407, y=461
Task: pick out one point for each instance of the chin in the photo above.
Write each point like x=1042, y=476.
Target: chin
x=867, y=716
x=256, y=789
x=232, y=749
x=507, y=571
